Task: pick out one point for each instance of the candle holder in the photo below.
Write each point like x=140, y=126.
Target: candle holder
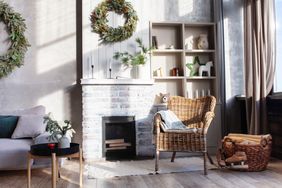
x=92, y=71
x=110, y=75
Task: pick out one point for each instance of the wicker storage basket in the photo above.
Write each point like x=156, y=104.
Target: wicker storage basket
x=257, y=154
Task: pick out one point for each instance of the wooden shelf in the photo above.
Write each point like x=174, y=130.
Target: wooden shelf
x=183, y=36
x=168, y=51
x=199, y=24
x=117, y=82
x=200, y=51
x=201, y=78
x=169, y=77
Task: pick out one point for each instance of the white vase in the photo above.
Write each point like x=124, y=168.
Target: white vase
x=140, y=72
x=203, y=42
x=64, y=142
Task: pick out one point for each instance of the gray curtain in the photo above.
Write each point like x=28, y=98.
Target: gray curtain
x=260, y=48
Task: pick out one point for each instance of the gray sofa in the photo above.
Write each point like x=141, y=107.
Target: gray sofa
x=13, y=151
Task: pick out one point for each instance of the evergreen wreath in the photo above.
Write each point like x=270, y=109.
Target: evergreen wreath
x=19, y=44
x=109, y=34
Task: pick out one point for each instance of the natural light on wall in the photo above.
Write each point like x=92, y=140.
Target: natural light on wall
x=55, y=35
x=186, y=7
x=227, y=60
x=278, y=75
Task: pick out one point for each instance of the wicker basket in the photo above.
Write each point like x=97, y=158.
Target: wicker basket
x=257, y=154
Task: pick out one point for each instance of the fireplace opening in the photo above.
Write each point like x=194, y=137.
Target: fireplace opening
x=119, y=137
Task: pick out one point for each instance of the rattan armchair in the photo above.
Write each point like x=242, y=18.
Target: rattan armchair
x=194, y=113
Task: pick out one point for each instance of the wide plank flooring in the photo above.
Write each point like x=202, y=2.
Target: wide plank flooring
x=216, y=178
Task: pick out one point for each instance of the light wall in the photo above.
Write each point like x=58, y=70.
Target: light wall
x=50, y=73
x=234, y=62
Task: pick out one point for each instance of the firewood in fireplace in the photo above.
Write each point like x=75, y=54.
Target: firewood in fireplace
x=119, y=144
x=114, y=141
x=116, y=148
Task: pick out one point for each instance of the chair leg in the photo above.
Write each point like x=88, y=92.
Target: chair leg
x=205, y=163
x=173, y=156
x=157, y=161
x=210, y=159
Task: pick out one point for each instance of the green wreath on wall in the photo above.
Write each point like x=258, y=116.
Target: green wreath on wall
x=19, y=44
x=109, y=34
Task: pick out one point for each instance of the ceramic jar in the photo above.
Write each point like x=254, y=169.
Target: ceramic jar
x=64, y=142
x=203, y=43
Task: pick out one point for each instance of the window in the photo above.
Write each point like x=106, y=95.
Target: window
x=278, y=75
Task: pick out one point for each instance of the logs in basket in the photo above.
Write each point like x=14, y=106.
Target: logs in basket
x=255, y=148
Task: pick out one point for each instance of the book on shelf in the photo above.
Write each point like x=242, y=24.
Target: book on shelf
x=155, y=42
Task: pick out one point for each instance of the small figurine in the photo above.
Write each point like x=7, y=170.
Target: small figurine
x=206, y=68
x=164, y=97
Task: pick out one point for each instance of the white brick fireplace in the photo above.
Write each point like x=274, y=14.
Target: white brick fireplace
x=127, y=99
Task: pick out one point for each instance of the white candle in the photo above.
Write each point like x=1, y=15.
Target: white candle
x=209, y=92
x=203, y=92
x=110, y=64
x=196, y=93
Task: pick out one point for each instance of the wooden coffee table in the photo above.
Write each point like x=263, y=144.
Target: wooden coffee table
x=43, y=151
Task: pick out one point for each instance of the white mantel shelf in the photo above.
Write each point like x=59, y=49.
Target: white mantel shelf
x=117, y=81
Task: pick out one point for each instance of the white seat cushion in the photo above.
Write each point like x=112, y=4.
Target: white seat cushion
x=13, y=153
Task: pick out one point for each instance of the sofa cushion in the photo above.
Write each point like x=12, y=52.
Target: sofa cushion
x=7, y=125
x=13, y=153
x=29, y=126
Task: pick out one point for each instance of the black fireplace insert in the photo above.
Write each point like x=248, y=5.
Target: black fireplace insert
x=119, y=137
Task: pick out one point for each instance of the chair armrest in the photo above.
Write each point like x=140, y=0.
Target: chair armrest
x=207, y=119
x=157, y=122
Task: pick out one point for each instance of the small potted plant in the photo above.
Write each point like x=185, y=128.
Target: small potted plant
x=138, y=59
x=60, y=132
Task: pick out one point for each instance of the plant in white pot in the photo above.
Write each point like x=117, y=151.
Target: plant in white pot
x=137, y=60
x=60, y=132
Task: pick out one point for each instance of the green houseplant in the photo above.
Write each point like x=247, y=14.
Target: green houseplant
x=139, y=58
x=136, y=60
x=58, y=131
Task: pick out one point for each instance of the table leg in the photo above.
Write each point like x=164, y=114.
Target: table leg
x=28, y=171
x=81, y=168
x=54, y=171
x=58, y=170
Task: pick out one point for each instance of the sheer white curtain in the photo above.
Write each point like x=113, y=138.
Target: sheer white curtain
x=260, y=47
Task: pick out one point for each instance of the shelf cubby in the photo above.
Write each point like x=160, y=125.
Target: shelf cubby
x=192, y=33
x=167, y=35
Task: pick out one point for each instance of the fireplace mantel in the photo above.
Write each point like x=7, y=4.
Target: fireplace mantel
x=117, y=81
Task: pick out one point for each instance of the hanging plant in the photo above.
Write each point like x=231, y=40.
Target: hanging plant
x=99, y=21
x=19, y=44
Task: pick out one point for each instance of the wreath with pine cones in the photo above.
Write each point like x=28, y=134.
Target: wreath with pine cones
x=19, y=44
x=109, y=34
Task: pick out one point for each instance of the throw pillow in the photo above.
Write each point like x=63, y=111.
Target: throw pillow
x=7, y=125
x=29, y=126
x=37, y=110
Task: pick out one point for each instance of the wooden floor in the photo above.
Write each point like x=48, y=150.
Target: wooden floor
x=216, y=178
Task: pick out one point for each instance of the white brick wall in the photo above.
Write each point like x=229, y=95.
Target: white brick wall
x=116, y=100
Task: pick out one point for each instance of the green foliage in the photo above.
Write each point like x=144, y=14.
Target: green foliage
x=140, y=58
x=19, y=44
x=55, y=129
x=99, y=21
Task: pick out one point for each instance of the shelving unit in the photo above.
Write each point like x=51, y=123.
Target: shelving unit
x=182, y=39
